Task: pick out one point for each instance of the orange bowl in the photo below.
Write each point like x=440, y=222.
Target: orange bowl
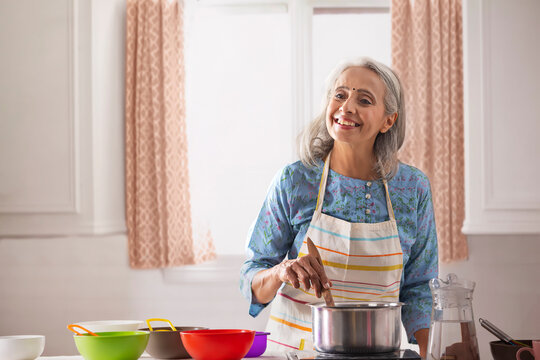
x=217, y=344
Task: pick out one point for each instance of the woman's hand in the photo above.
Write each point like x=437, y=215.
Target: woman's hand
x=306, y=271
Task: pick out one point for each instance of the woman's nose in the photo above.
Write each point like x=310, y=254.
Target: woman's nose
x=347, y=107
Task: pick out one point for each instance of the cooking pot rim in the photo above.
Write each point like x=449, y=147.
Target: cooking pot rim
x=358, y=305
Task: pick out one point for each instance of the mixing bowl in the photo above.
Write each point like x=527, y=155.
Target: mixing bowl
x=502, y=351
x=165, y=343
x=21, y=347
x=356, y=327
x=259, y=344
x=218, y=344
x=114, y=345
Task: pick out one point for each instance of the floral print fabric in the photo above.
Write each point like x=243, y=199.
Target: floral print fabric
x=281, y=225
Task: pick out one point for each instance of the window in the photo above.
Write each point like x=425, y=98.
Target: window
x=340, y=34
x=254, y=77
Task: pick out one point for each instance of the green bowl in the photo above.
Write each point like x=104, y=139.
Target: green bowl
x=117, y=345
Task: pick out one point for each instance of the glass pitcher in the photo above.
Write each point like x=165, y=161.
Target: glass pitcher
x=452, y=335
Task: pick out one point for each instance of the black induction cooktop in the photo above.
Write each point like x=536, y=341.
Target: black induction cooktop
x=406, y=354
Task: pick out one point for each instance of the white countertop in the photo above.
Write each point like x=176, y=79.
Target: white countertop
x=78, y=357
x=145, y=357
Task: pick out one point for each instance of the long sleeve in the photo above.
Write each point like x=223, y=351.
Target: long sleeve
x=270, y=238
x=421, y=266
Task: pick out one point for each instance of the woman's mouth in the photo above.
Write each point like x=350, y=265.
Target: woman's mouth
x=345, y=122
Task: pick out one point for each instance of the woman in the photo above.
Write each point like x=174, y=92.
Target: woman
x=370, y=215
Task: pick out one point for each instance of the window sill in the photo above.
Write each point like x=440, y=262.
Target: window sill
x=500, y=228
x=226, y=268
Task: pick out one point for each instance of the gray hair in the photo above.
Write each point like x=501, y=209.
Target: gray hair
x=315, y=142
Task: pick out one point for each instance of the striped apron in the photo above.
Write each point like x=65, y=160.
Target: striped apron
x=364, y=261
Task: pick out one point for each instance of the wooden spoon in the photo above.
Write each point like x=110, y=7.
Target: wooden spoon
x=327, y=295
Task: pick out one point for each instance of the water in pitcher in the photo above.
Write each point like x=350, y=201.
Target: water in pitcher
x=452, y=340
x=452, y=335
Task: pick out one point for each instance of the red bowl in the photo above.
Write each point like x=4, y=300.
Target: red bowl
x=217, y=344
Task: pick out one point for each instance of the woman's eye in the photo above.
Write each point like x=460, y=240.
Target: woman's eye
x=340, y=96
x=365, y=101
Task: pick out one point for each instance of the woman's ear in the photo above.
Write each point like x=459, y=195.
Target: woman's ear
x=389, y=122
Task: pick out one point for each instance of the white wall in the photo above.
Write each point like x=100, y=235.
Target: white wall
x=502, y=87
x=506, y=270
x=48, y=282
x=501, y=127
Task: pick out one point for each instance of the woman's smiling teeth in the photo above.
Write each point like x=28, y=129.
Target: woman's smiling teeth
x=346, y=122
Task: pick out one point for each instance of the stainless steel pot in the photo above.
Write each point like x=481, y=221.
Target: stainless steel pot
x=356, y=327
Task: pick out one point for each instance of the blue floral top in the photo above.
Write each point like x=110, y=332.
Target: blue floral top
x=286, y=213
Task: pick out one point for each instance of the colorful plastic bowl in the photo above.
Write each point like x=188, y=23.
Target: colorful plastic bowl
x=166, y=343
x=218, y=344
x=116, y=345
x=21, y=347
x=259, y=344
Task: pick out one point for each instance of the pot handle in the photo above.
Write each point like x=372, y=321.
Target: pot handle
x=157, y=319
x=72, y=326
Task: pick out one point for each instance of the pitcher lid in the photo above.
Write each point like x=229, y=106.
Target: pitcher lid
x=452, y=283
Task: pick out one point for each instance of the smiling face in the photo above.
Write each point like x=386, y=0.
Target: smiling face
x=355, y=113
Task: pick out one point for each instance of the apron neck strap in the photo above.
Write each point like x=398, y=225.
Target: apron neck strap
x=388, y=202
x=322, y=185
x=322, y=190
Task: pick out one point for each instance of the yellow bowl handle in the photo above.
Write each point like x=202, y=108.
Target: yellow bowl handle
x=157, y=319
x=72, y=326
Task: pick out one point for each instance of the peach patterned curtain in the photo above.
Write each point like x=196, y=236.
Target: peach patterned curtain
x=158, y=211
x=427, y=54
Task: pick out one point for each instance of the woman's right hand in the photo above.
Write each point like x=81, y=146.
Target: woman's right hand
x=306, y=271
